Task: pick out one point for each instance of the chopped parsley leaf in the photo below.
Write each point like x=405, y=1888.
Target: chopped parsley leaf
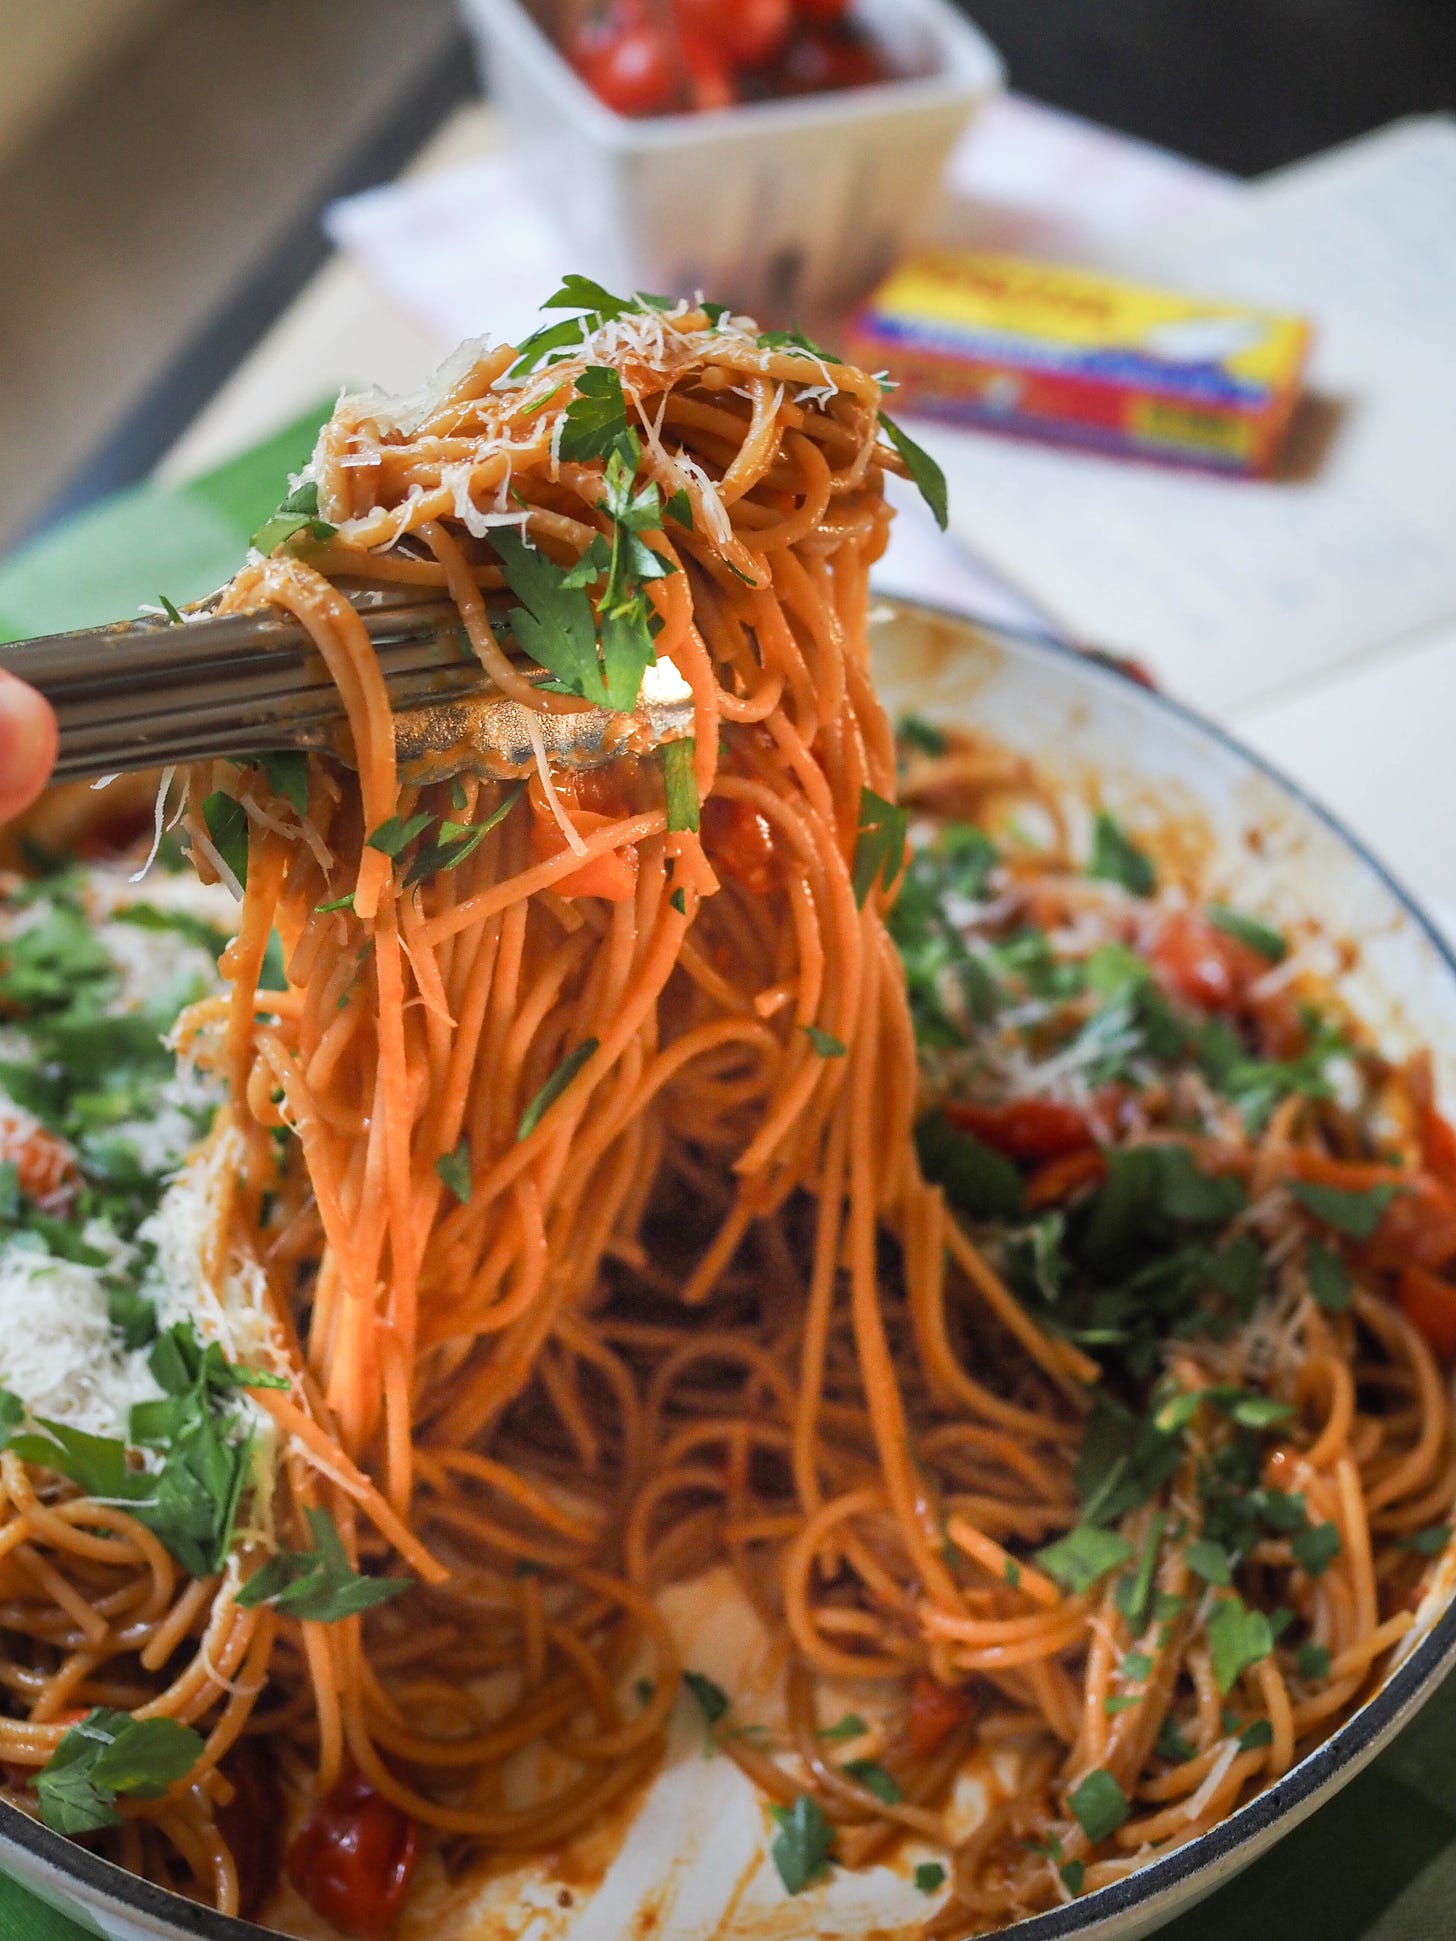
x=286, y=774
x=804, y=1845
x=879, y=855
x=925, y=474
x=106, y=1756
x=873, y=1777
x=297, y=518
x=551, y=1091
x=1313, y=1663
x=979, y=1182
x=392, y=837
x=227, y=830
x=1237, y=1638
x=1355, y=1214
x=713, y=1701
x=1429, y=1542
x=1116, y=858
x=1327, y=1277
x=1315, y=1547
x=920, y=734
x=1084, y=1554
x=1099, y=1805
x=1172, y=1745
x=458, y=840
x=681, y=785
x=1249, y=930
x=318, y=1586
x=596, y=417
x=1134, y=1595
x=1210, y=1561
x=456, y=1171
x=823, y=1043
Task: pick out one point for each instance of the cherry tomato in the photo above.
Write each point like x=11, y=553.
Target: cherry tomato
x=353, y=1858
x=612, y=877
x=1203, y=965
x=252, y=1825
x=710, y=79
x=1025, y=1128
x=626, y=62
x=1438, y=1145
x=710, y=69
x=1429, y=1304
x=45, y=1166
x=826, y=59
x=741, y=844
x=1418, y=1228
x=753, y=32
x=935, y=1712
x=1059, y=1179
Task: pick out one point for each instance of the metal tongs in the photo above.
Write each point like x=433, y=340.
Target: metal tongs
x=150, y=693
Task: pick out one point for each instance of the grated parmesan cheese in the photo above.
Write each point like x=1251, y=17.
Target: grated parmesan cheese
x=58, y=1351
x=543, y=768
x=1198, y=1802
x=229, y=1306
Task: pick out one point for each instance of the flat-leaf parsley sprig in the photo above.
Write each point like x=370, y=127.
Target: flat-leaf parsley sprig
x=592, y=624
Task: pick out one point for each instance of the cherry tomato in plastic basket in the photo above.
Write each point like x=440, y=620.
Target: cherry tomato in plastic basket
x=748, y=33
x=824, y=60
x=626, y=61
x=710, y=72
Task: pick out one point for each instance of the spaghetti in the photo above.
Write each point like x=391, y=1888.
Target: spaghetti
x=1023, y=1280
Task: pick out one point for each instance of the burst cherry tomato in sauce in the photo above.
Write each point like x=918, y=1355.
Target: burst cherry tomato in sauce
x=628, y=63
x=613, y=877
x=935, y=1712
x=1059, y=1179
x=353, y=1859
x=1438, y=1145
x=1030, y=1129
x=45, y=1166
x=1203, y=965
x=741, y=844
x=1418, y=1228
x=1429, y=1304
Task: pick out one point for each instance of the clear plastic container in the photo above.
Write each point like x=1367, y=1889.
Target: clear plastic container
x=784, y=208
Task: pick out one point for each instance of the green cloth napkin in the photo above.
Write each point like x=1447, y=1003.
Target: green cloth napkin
x=1378, y=1863
x=149, y=541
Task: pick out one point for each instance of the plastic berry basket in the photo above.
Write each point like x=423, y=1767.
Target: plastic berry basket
x=782, y=208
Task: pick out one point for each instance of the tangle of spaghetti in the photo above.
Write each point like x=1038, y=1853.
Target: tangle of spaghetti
x=581, y=1173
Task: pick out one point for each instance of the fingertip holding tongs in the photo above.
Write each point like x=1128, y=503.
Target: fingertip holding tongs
x=159, y=692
